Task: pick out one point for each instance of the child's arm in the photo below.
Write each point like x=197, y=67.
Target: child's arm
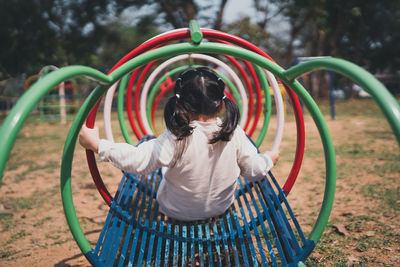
x=145, y=158
x=274, y=155
x=253, y=165
x=89, y=138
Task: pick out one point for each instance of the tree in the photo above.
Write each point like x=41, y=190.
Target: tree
x=364, y=32
x=41, y=32
x=173, y=14
x=36, y=33
x=121, y=39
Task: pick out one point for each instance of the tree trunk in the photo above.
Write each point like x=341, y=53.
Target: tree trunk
x=220, y=14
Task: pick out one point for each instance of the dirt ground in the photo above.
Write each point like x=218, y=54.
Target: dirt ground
x=363, y=229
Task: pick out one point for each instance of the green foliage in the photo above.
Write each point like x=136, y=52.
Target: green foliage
x=365, y=32
x=120, y=40
x=97, y=33
x=38, y=33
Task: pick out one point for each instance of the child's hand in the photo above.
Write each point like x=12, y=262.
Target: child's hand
x=89, y=138
x=274, y=155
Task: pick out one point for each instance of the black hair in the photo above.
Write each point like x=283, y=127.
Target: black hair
x=199, y=91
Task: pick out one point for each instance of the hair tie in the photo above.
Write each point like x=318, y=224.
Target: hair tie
x=223, y=98
x=178, y=96
x=221, y=83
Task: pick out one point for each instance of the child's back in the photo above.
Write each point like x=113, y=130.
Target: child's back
x=204, y=156
x=203, y=182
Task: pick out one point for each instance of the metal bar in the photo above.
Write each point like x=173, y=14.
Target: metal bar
x=192, y=245
x=123, y=201
x=233, y=238
x=247, y=231
x=225, y=235
x=277, y=220
x=241, y=237
x=200, y=243
x=114, y=234
x=209, y=248
x=156, y=181
x=176, y=255
x=106, y=223
x=167, y=244
x=260, y=217
x=160, y=240
x=184, y=246
x=139, y=218
x=254, y=226
x=265, y=206
x=216, y=242
x=124, y=251
x=147, y=218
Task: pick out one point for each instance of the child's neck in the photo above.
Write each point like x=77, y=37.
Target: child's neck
x=204, y=118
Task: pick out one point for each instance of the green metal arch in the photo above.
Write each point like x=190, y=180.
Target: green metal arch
x=385, y=101
x=176, y=49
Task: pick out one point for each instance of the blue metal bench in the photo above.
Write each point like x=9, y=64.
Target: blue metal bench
x=258, y=229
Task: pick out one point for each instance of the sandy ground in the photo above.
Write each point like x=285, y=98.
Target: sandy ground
x=364, y=226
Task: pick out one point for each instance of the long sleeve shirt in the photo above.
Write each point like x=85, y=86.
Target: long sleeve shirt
x=202, y=182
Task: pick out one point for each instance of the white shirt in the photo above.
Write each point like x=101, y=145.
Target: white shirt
x=203, y=181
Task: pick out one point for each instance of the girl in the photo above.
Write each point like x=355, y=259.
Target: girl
x=204, y=155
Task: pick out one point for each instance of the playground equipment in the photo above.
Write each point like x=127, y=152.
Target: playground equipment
x=259, y=229
x=57, y=103
x=331, y=84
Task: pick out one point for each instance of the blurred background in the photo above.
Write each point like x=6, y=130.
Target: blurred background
x=98, y=33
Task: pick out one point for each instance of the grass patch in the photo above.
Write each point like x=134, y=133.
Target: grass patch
x=49, y=165
x=22, y=203
x=353, y=150
x=7, y=253
x=357, y=223
x=389, y=197
x=42, y=221
x=329, y=246
x=387, y=167
x=6, y=220
x=52, y=237
x=16, y=236
x=383, y=135
x=346, y=169
x=36, y=201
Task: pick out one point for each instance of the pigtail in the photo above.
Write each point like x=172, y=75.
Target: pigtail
x=229, y=123
x=177, y=119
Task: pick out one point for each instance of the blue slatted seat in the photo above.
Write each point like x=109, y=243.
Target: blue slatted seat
x=259, y=229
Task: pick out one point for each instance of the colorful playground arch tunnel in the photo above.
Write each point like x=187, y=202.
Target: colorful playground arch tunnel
x=151, y=107
x=214, y=48
x=232, y=60
x=144, y=72
x=121, y=93
x=236, y=86
x=184, y=34
x=18, y=115
x=267, y=113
